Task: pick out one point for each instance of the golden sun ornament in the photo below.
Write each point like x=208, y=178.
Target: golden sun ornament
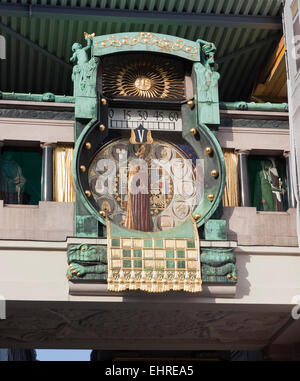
x=143, y=77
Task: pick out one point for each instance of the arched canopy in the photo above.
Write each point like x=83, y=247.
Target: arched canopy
x=144, y=41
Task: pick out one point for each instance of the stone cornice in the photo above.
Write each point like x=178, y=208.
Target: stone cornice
x=43, y=130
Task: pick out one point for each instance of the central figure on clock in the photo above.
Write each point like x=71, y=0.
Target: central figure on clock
x=138, y=203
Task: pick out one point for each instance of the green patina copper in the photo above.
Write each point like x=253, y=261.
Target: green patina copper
x=206, y=85
x=50, y=97
x=89, y=262
x=214, y=186
x=215, y=230
x=85, y=223
x=148, y=42
x=84, y=77
x=46, y=97
x=253, y=106
x=218, y=265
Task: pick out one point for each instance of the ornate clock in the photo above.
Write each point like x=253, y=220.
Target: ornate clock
x=147, y=164
x=185, y=173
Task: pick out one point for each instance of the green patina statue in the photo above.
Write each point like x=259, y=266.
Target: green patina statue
x=87, y=261
x=80, y=54
x=208, y=51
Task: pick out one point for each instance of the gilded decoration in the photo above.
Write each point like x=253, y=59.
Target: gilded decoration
x=149, y=39
x=143, y=77
x=154, y=264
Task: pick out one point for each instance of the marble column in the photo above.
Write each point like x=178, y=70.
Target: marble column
x=290, y=191
x=47, y=181
x=245, y=195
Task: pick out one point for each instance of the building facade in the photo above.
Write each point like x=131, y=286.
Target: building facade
x=142, y=214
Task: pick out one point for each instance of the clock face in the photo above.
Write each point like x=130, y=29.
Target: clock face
x=146, y=187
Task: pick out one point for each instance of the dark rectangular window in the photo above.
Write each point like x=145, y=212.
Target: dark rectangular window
x=268, y=185
x=21, y=174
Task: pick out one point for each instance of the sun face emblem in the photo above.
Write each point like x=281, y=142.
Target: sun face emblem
x=143, y=83
x=142, y=77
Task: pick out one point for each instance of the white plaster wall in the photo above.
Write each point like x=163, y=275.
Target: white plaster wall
x=33, y=274
x=37, y=271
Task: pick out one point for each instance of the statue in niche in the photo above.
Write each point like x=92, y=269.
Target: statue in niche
x=12, y=180
x=268, y=188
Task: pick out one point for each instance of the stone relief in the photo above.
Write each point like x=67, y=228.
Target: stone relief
x=194, y=326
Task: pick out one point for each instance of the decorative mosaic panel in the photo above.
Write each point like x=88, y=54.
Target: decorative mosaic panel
x=154, y=264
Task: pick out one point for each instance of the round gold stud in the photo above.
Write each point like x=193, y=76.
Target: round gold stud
x=103, y=101
x=197, y=216
x=88, y=145
x=102, y=213
x=101, y=127
x=234, y=277
x=82, y=168
x=228, y=276
x=191, y=103
x=84, y=248
x=208, y=150
x=214, y=173
x=193, y=131
x=211, y=196
x=88, y=193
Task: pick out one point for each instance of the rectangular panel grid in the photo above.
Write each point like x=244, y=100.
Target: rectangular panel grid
x=154, y=254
